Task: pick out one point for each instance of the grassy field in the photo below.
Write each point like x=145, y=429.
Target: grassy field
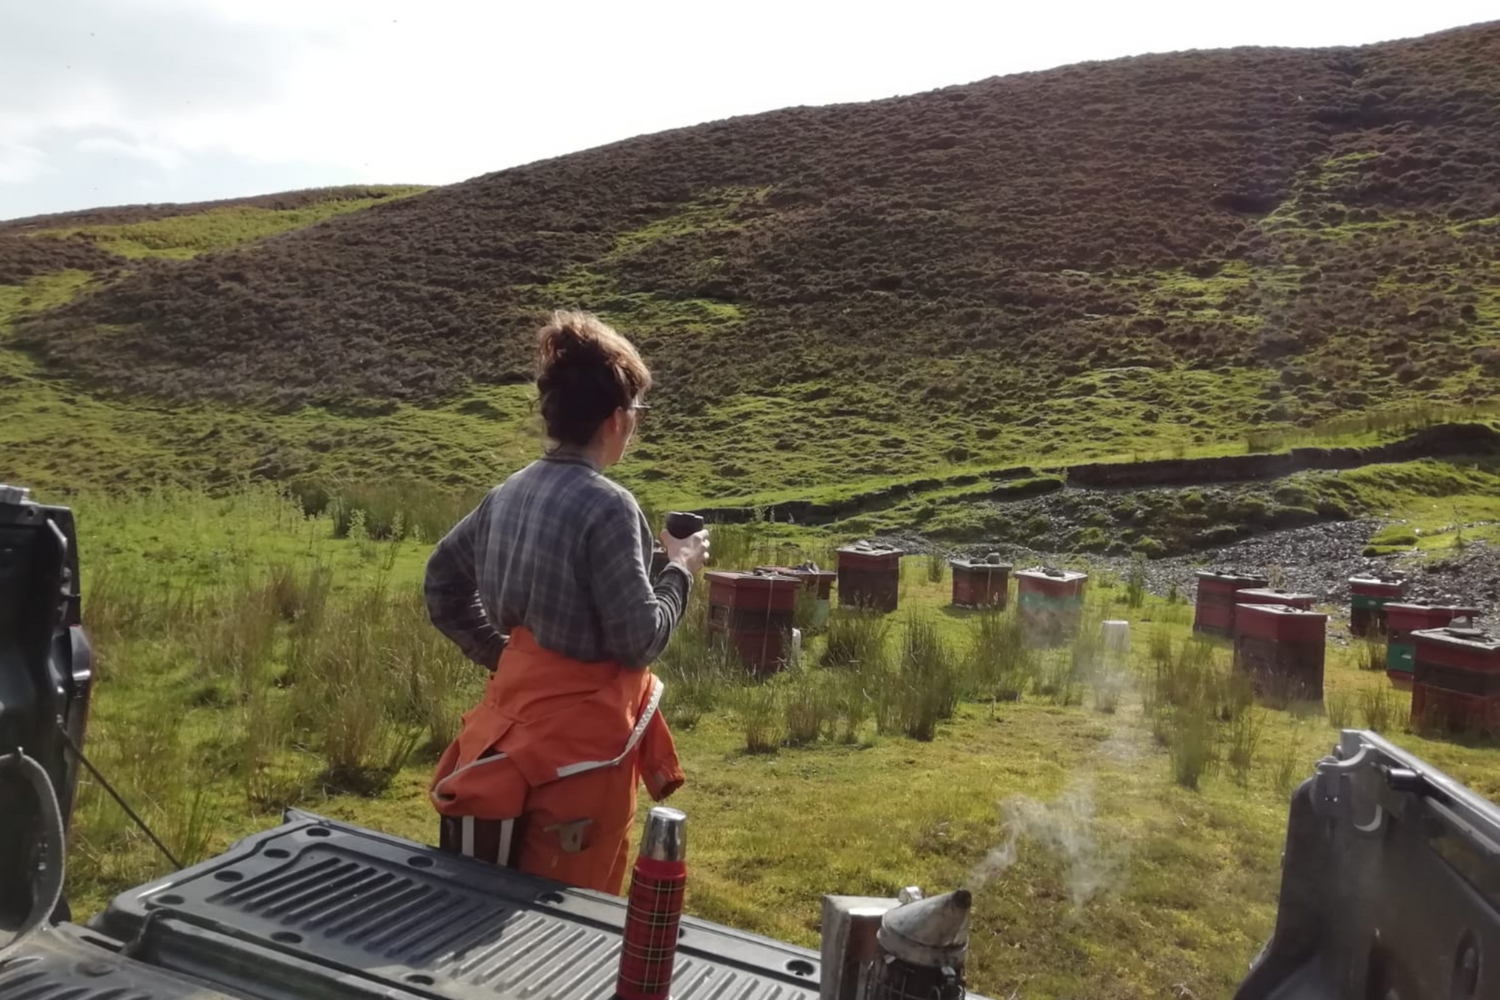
x=183, y=236
x=1120, y=819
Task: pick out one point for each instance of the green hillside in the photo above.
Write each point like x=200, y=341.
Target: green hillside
x=1205, y=253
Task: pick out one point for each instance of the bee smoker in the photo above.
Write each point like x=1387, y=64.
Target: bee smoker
x=909, y=948
x=922, y=946
x=679, y=525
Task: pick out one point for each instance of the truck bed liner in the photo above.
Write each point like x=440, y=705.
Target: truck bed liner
x=328, y=909
x=62, y=963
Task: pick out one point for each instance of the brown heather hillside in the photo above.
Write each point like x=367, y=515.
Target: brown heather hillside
x=1162, y=251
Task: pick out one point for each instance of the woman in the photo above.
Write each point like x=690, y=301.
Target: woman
x=546, y=583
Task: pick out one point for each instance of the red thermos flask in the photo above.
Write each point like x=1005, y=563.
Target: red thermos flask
x=654, y=909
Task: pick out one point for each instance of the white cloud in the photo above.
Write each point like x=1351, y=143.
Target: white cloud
x=20, y=164
x=113, y=148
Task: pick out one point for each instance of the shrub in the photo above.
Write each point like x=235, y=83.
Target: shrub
x=1149, y=547
x=1091, y=540
x=388, y=511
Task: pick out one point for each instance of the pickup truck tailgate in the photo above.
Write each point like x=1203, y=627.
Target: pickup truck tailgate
x=64, y=963
x=319, y=908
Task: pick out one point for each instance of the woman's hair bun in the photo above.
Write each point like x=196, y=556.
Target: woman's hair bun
x=571, y=338
x=585, y=371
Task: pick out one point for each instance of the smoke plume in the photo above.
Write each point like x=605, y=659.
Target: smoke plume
x=1066, y=826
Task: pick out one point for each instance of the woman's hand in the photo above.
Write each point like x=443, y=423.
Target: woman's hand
x=691, y=553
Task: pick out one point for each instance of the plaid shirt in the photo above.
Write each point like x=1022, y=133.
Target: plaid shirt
x=566, y=553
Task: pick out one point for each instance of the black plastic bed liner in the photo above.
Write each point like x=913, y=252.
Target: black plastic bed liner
x=319, y=908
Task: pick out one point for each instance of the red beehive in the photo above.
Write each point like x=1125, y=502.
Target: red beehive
x=818, y=581
x=753, y=612
x=1214, y=612
x=1402, y=621
x=1368, y=596
x=1457, y=679
x=980, y=584
x=869, y=577
x=1050, y=603
x=1302, y=602
x=1281, y=648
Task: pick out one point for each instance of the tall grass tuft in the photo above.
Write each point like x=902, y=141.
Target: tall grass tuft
x=1245, y=731
x=1288, y=771
x=937, y=564
x=1160, y=717
x=1370, y=654
x=858, y=694
x=810, y=704
x=1058, y=679
x=1193, y=750
x=1382, y=710
x=1159, y=647
x=854, y=637
x=190, y=831
x=758, y=708
x=344, y=699
x=1108, y=686
x=698, y=672
x=1340, y=708
x=1135, y=582
x=1188, y=676
x=440, y=684
x=1000, y=665
x=927, y=683
x=237, y=632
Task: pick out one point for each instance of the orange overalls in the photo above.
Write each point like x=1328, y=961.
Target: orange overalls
x=547, y=764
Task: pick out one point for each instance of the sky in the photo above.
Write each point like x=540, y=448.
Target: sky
x=109, y=102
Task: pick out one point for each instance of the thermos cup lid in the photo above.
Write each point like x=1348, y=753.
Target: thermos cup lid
x=665, y=838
